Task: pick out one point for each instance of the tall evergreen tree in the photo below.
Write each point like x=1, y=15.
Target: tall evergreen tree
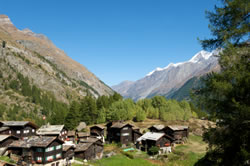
x=73, y=117
x=226, y=95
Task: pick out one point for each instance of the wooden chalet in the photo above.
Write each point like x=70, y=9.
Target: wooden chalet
x=157, y=128
x=136, y=133
x=20, y=129
x=120, y=132
x=89, y=150
x=97, y=130
x=68, y=153
x=58, y=131
x=6, y=140
x=37, y=150
x=150, y=139
x=177, y=132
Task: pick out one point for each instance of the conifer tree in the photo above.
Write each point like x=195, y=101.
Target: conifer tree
x=226, y=95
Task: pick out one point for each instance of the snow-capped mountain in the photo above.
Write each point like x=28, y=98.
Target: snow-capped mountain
x=163, y=81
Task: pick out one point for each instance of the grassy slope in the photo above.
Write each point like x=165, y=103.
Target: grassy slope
x=183, y=155
x=188, y=154
x=120, y=160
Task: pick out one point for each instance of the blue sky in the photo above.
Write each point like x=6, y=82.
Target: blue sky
x=117, y=40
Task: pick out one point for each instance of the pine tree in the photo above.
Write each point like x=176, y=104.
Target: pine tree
x=73, y=117
x=226, y=95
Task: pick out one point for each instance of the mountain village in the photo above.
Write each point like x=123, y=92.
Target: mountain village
x=53, y=145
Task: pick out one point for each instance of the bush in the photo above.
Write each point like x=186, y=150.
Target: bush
x=153, y=150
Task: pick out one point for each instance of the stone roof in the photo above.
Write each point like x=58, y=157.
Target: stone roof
x=17, y=123
x=158, y=127
x=71, y=133
x=66, y=147
x=3, y=137
x=98, y=126
x=82, y=134
x=120, y=125
x=82, y=147
x=34, y=141
x=50, y=130
x=151, y=136
x=81, y=126
x=175, y=127
x=89, y=140
x=4, y=128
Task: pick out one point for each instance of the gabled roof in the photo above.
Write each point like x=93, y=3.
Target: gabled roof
x=120, y=125
x=90, y=140
x=82, y=147
x=71, y=133
x=4, y=128
x=17, y=123
x=175, y=127
x=66, y=147
x=158, y=127
x=3, y=137
x=151, y=136
x=50, y=130
x=34, y=141
x=98, y=126
x=83, y=134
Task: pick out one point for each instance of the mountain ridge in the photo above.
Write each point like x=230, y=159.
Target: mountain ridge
x=28, y=41
x=161, y=81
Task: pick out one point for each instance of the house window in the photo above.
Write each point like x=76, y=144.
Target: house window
x=58, y=147
x=118, y=134
x=39, y=150
x=27, y=131
x=18, y=131
x=39, y=159
x=33, y=130
x=49, y=158
x=59, y=155
x=125, y=134
x=49, y=149
x=125, y=128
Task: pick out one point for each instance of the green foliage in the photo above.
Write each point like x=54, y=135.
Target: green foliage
x=73, y=117
x=140, y=115
x=153, y=150
x=229, y=24
x=225, y=95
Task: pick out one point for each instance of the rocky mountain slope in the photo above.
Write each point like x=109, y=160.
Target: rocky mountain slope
x=165, y=81
x=30, y=63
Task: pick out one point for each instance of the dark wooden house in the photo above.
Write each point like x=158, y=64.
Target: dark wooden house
x=5, y=131
x=150, y=139
x=89, y=150
x=97, y=130
x=157, y=128
x=136, y=133
x=177, y=132
x=6, y=140
x=38, y=150
x=20, y=129
x=120, y=132
x=58, y=131
x=68, y=153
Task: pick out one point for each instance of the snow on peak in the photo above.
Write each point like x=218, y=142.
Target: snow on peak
x=168, y=66
x=200, y=55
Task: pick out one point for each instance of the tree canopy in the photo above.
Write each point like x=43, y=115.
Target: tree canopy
x=226, y=95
